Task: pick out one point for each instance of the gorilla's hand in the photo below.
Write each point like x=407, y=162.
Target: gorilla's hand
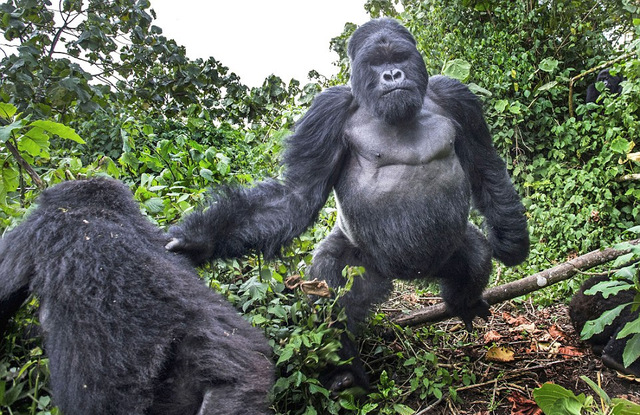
x=196, y=251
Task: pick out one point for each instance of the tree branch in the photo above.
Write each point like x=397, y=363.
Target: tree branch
x=523, y=286
x=23, y=163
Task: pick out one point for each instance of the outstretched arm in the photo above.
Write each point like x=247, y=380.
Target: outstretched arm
x=493, y=193
x=269, y=215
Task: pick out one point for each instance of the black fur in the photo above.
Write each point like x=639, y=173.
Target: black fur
x=589, y=307
x=128, y=326
x=611, y=83
x=405, y=154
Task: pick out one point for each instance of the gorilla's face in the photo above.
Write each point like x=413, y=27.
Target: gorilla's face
x=388, y=74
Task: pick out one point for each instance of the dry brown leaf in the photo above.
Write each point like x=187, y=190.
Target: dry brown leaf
x=492, y=336
x=569, y=351
x=314, y=287
x=500, y=354
x=523, y=406
x=555, y=332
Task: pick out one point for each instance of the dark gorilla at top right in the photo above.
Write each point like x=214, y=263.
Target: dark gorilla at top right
x=611, y=83
x=405, y=155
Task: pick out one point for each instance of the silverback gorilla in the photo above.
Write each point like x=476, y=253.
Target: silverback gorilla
x=405, y=154
x=128, y=327
x=585, y=307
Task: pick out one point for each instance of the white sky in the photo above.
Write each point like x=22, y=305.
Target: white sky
x=256, y=38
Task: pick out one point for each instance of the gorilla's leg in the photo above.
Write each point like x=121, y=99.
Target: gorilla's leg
x=332, y=255
x=464, y=276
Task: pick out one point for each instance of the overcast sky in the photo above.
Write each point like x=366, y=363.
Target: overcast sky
x=256, y=38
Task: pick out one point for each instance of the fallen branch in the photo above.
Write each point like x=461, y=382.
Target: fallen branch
x=523, y=286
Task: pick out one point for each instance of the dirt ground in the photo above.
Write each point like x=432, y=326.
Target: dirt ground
x=517, y=350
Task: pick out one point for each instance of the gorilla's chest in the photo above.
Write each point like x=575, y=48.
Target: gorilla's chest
x=397, y=159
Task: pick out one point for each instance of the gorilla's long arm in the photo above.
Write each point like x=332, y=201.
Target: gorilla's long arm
x=15, y=274
x=493, y=193
x=272, y=213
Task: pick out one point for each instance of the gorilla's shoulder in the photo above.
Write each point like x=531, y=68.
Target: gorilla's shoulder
x=441, y=85
x=335, y=95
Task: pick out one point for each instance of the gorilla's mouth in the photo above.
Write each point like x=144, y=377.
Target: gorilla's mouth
x=388, y=91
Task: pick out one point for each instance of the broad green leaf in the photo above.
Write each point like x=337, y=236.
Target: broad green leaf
x=608, y=288
x=458, y=69
x=555, y=400
x=58, y=129
x=5, y=132
x=631, y=351
x=154, y=205
x=548, y=64
x=35, y=142
x=596, y=326
x=501, y=105
x=7, y=110
x=624, y=407
x=632, y=327
x=620, y=145
x=207, y=174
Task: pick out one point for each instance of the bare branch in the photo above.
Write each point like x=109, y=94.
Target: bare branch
x=523, y=286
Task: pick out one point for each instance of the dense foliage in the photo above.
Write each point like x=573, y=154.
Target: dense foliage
x=91, y=87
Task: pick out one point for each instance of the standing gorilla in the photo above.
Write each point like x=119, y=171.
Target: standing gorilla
x=128, y=327
x=404, y=155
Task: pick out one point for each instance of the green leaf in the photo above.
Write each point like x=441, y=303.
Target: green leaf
x=286, y=354
x=597, y=389
x=548, y=64
x=608, y=288
x=7, y=111
x=501, y=105
x=631, y=351
x=403, y=409
x=555, y=400
x=620, y=145
x=546, y=87
x=154, y=205
x=58, y=129
x=477, y=89
x=458, y=69
x=5, y=132
x=596, y=326
x=624, y=407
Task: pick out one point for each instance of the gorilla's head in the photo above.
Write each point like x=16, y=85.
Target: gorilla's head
x=388, y=75
x=612, y=83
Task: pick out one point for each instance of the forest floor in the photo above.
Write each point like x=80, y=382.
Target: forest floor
x=520, y=348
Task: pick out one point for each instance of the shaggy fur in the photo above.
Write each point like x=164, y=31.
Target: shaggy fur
x=129, y=328
x=406, y=155
x=589, y=307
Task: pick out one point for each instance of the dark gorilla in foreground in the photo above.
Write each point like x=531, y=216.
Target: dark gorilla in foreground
x=585, y=307
x=405, y=154
x=611, y=83
x=129, y=328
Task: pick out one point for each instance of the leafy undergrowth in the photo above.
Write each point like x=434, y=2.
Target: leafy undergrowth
x=493, y=370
